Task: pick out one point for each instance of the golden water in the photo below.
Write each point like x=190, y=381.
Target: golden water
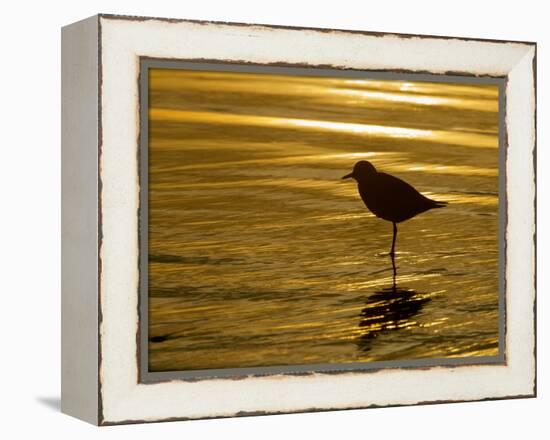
x=260, y=255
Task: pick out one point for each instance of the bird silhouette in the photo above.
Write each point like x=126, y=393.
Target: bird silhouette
x=389, y=197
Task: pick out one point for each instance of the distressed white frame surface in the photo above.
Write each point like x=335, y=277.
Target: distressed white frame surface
x=122, y=41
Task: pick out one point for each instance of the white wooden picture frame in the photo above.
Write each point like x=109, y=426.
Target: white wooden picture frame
x=102, y=381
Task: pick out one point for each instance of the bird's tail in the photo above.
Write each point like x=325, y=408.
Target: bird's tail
x=440, y=204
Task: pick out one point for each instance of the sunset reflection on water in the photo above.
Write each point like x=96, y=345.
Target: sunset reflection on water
x=260, y=255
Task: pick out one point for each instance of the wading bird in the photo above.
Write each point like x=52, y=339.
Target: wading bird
x=389, y=198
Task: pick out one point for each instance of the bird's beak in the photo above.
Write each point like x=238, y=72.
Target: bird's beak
x=347, y=176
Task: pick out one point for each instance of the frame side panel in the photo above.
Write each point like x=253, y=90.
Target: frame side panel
x=79, y=201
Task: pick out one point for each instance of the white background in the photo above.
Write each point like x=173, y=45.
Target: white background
x=30, y=217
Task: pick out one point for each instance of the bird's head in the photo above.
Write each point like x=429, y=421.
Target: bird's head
x=362, y=170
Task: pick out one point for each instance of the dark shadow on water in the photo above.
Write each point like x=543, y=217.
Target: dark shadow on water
x=52, y=403
x=388, y=309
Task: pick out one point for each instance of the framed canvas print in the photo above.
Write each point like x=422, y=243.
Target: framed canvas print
x=261, y=219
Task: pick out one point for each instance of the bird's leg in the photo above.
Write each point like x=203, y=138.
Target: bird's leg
x=392, y=252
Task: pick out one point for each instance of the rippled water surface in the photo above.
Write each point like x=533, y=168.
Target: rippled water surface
x=260, y=255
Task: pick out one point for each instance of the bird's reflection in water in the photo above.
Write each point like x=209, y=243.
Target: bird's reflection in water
x=388, y=309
